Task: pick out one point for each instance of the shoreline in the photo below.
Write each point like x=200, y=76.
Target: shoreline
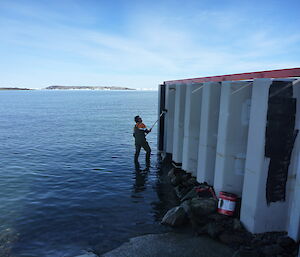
x=198, y=230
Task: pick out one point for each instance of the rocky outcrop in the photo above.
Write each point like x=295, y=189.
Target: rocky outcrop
x=171, y=245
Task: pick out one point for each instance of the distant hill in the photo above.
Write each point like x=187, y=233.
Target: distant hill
x=13, y=88
x=87, y=88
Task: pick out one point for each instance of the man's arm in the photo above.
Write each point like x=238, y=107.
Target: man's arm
x=143, y=127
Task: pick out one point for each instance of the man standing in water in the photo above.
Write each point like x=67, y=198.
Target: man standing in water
x=139, y=133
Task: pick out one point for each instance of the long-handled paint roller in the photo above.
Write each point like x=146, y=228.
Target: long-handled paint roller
x=164, y=111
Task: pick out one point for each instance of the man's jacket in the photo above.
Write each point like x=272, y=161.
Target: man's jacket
x=139, y=132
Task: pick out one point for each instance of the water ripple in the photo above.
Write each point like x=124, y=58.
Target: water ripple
x=67, y=178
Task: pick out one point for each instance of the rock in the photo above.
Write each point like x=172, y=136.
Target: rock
x=189, y=181
x=175, y=217
x=88, y=254
x=233, y=238
x=186, y=176
x=202, y=230
x=287, y=243
x=258, y=242
x=170, y=245
x=203, y=206
x=269, y=237
x=272, y=250
x=186, y=206
x=214, y=229
x=246, y=252
x=176, y=180
x=189, y=195
x=237, y=225
x=218, y=217
x=181, y=191
x=171, y=173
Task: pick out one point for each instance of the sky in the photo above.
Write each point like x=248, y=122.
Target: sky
x=140, y=44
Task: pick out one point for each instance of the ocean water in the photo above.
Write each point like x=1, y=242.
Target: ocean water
x=67, y=177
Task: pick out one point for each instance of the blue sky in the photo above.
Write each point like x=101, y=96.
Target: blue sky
x=140, y=44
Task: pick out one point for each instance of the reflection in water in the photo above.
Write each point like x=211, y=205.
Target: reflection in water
x=165, y=192
x=140, y=178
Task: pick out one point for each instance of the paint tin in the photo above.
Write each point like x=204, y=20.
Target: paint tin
x=226, y=204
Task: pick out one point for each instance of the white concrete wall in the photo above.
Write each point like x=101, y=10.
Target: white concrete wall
x=256, y=214
x=169, y=118
x=234, y=161
x=179, y=123
x=232, y=136
x=191, y=127
x=293, y=226
x=256, y=169
x=208, y=132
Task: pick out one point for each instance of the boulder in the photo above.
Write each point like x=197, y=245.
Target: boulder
x=202, y=230
x=187, y=207
x=237, y=225
x=287, y=243
x=186, y=176
x=189, y=181
x=203, y=206
x=246, y=252
x=176, y=180
x=190, y=194
x=218, y=217
x=192, y=182
x=181, y=191
x=171, y=173
x=175, y=217
x=233, y=238
x=272, y=250
x=214, y=229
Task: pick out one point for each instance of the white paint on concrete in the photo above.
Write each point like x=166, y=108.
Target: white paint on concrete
x=191, y=128
x=208, y=132
x=179, y=122
x=232, y=136
x=294, y=179
x=293, y=226
x=169, y=118
x=256, y=214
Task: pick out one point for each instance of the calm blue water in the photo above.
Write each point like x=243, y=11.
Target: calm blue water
x=67, y=179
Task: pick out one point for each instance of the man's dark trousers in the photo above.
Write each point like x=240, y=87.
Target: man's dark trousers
x=146, y=147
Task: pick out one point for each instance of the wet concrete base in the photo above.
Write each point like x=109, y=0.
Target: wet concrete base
x=171, y=245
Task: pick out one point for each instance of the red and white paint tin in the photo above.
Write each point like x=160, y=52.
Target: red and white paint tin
x=226, y=204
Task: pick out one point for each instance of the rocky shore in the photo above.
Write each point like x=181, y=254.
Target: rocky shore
x=198, y=207
x=197, y=229
x=200, y=231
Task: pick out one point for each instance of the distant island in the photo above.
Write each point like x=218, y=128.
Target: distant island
x=86, y=88
x=13, y=88
x=71, y=88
